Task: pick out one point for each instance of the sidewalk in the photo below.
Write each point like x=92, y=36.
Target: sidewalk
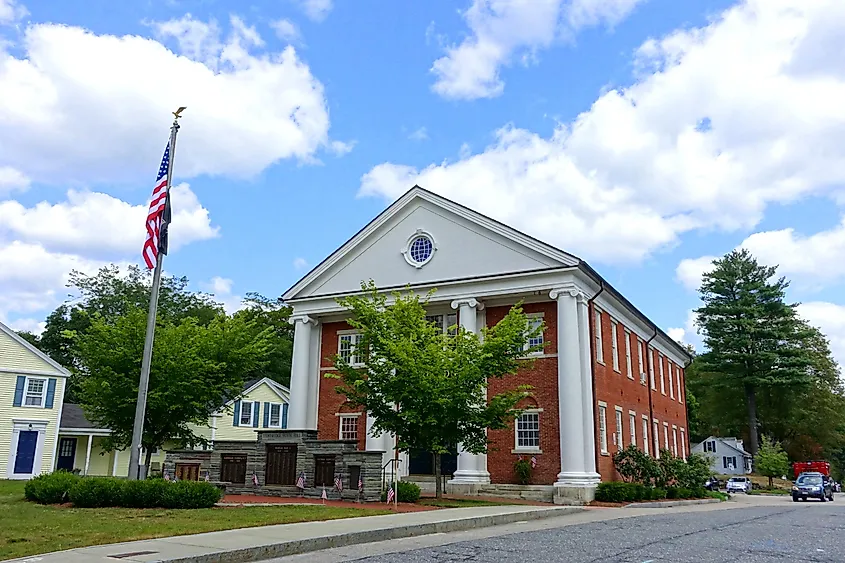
x=256, y=544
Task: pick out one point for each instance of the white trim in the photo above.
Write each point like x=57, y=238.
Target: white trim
x=632, y=422
x=84, y=431
x=406, y=250
x=540, y=352
x=517, y=449
x=598, y=337
x=620, y=427
x=276, y=387
x=241, y=423
x=603, y=427
x=344, y=416
x=62, y=372
x=61, y=399
x=18, y=425
x=114, y=463
x=629, y=363
x=646, y=432
x=662, y=373
x=88, y=454
x=38, y=372
x=269, y=406
x=46, y=384
x=614, y=344
x=353, y=343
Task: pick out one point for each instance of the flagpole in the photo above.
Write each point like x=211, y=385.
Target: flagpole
x=144, y=382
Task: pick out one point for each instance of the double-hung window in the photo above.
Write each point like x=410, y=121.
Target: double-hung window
x=680, y=387
x=246, y=413
x=348, y=348
x=666, y=436
x=620, y=442
x=446, y=323
x=675, y=440
x=656, y=435
x=645, y=433
x=275, y=416
x=614, y=346
x=349, y=427
x=599, y=343
x=36, y=392
x=683, y=444
x=628, y=354
x=603, y=427
x=632, y=423
x=662, y=378
x=535, y=320
x=651, y=368
x=671, y=382
x=528, y=431
x=640, y=356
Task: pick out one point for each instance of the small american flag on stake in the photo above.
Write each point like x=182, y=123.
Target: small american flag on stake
x=158, y=216
x=533, y=462
x=390, y=494
x=255, y=479
x=338, y=484
x=360, y=484
x=300, y=482
x=324, y=496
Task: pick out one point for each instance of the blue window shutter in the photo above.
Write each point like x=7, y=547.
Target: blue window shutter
x=237, y=417
x=51, y=392
x=266, y=415
x=256, y=407
x=285, y=415
x=19, y=391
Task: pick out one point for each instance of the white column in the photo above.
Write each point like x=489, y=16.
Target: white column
x=575, y=483
x=299, y=372
x=313, y=377
x=88, y=454
x=587, y=389
x=114, y=463
x=472, y=468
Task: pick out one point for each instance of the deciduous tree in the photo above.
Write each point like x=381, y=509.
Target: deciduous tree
x=771, y=461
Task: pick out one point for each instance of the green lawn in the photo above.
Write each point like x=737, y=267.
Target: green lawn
x=28, y=529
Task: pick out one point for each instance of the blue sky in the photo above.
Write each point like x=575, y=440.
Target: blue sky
x=578, y=121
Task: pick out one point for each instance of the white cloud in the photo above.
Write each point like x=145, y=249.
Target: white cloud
x=97, y=224
x=300, y=264
x=504, y=30
x=630, y=175
x=830, y=319
x=691, y=270
x=420, y=134
x=676, y=334
x=11, y=179
x=285, y=30
x=80, y=107
x=28, y=325
x=316, y=10
x=221, y=289
x=11, y=11
x=688, y=334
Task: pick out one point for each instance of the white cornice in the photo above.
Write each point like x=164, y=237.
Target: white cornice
x=43, y=373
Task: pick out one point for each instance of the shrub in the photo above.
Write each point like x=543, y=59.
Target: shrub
x=405, y=492
x=694, y=472
x=618, y=491
x=96, y=492
x=657, y=493
x=51, y=488
x=143, y=494
x=522, y=469
x=636, y=466
x=187, y=494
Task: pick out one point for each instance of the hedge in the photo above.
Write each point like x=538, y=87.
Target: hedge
x=618, y=491
x=405, y=492
x=99, y=492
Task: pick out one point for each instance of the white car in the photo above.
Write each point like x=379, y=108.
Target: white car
x=738, y=485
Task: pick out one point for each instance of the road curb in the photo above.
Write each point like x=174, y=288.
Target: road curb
x=294, y=547
x=670, y=503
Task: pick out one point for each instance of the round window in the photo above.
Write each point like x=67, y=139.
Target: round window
x=421, y=249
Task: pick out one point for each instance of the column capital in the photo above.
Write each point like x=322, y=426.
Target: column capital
x=304, y=319
x=569, y=289
x=471, y=302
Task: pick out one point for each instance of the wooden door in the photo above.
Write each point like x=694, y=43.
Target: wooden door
x=188, y=471
x=233, y=468
x=67, y=453
x=281, y=464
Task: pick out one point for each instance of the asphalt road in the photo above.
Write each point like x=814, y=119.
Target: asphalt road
x=754, y=529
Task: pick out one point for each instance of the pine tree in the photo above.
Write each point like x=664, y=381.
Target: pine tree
x=754, y=338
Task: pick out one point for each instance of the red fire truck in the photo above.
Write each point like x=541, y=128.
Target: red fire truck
x=800, y=467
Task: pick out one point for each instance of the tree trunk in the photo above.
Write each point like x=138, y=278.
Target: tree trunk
x=771, y=486
x=147, y=460
x=751, y=399
x=438, y=486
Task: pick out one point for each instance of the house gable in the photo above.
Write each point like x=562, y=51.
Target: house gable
x=466, y=245
x=19, y=356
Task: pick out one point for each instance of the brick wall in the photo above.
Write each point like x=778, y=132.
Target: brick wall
x=330, y=401
x=542, y=376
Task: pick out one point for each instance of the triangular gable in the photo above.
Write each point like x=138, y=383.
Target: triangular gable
x=280, y=390
x=18, y=355
x=467, y=245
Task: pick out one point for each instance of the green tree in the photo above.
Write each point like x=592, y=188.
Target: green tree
x=770, y=460
x=425, y=386
x=272, y=314
x=196, y=368
x=753, y=338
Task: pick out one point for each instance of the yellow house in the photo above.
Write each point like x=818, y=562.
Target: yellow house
x=31, y=389
x=263, y=403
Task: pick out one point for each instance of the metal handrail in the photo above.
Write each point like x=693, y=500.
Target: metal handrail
x=384, y=473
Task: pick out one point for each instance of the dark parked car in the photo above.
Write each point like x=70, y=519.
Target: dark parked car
x=812, y=485
x=713, y=483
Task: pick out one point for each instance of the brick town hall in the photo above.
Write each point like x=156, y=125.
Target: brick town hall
x=608, y=377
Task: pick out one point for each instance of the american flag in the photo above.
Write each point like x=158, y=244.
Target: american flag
x=158, y=216
x=533, y=462
x=338, y=484
x=360, y=484
x=166, y=476
x=255, y=479
x=300, y=482
x=324, y=496
x=390, y=494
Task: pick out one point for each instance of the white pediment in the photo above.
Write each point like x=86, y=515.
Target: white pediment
x=467, y=245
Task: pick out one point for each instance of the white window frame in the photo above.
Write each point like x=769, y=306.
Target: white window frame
x=44, y=383
x=343, y=417
x=655, y=430
x=527, y=449
x=662, y=375
x=603, y=427
x=628, y=353
x=251, y=413
x=632, y=422
x=620, y=428
x=640, y=362
x=675, y=440
x=680, y=387
x=645, y=434
x=683, y=444
x=650, y=358
x=354, y=339
x=614, y=345
x=671, y=383
x=532, y=317
x=598, y=338
x=444, y=321
x=270, y=415
x=666, y=436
